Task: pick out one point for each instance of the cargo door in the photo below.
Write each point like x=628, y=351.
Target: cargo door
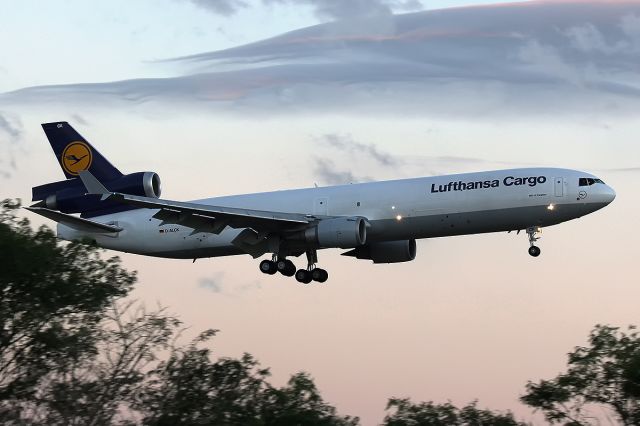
x=559, y=186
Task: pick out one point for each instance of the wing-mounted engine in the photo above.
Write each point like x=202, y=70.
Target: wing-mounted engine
x=386, y=252
x=339, y=232
x=69, y=196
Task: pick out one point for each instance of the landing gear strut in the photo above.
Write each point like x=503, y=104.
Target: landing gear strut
x=532, y=232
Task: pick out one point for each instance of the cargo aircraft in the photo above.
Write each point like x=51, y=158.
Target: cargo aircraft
x=377, y=221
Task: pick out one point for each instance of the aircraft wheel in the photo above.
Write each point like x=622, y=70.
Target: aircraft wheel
x=303, y=276
x=286, y=267
x=534, y=251
x=291, y=271
x=319, y=275
x=268, y=267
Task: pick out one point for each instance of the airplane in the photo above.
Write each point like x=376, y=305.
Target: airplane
x=377, y=221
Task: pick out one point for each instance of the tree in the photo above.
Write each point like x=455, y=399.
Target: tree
x=406, y=413
x=605, y=374
x=101, y=388
x=52, y=298
x=189, y=388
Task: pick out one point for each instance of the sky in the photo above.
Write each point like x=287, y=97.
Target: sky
x=236, y=96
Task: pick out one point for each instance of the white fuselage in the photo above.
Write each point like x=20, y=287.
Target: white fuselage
x=426, y=207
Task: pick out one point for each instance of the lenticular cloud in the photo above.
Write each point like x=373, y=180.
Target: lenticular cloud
x=554, y=57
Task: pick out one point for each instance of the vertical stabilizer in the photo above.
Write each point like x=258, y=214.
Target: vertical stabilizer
x=75, y=154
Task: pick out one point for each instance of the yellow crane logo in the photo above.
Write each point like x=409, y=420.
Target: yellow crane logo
x=76, y=157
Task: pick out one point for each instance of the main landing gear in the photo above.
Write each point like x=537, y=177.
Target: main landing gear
x=282, y=265
x=305, y=276
x=532, y=232
x=288, y=269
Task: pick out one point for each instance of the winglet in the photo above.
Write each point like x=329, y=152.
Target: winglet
x=93, y=185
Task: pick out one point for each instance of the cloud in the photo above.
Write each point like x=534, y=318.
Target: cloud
x=353, y=9
x=217, y=284
x=12, y=128
x=213, y=284
x=323, y=9
x=11, y=133
x=353, y=153
x=515, y=59
x=587, y=38
x=346, y=158
x=328, y=173
x=346, y=143
x=77, y=118
x=622, y=170
x=221, y=7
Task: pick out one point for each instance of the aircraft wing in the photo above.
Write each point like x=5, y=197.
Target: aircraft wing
x=202, y=217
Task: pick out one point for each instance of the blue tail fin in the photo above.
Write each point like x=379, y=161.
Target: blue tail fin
x=75, y=154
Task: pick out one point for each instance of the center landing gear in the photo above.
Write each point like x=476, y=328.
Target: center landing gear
x=288, y=269
x=532, y=232
x=305, y=276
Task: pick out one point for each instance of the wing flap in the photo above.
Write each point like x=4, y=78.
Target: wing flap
x=250, y=242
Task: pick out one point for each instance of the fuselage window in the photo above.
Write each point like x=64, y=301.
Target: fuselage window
x=588, y=181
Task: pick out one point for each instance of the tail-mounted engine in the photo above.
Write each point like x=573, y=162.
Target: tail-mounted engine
x=69, y=196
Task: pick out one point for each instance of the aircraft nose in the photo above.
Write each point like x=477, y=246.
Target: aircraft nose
x=610, y=194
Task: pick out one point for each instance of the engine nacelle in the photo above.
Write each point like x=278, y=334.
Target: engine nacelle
x=342, y=232
x=141, y=183
x=386, y=252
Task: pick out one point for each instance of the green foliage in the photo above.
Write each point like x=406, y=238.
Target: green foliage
x=189, y=388
x=52, y=298
x=299, y=403
x=406, y=413
x=99, y=388
x=605, y=373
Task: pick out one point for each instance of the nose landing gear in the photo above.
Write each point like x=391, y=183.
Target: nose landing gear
x=532, y=232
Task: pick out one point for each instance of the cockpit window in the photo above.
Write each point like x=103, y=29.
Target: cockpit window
x=589, y=181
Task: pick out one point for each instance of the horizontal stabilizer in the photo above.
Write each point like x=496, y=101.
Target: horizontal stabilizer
x=93, y=185
x=75, y=222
